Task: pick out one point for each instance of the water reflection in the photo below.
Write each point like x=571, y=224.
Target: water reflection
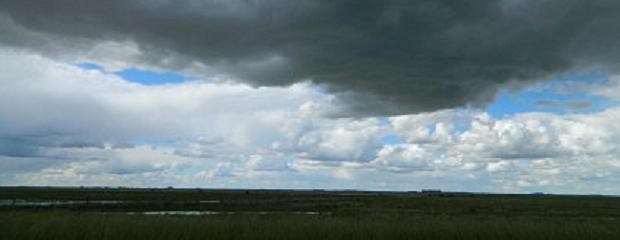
x=200, y=213
x=28, y=203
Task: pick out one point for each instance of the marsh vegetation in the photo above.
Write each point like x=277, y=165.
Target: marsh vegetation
x=100, y=213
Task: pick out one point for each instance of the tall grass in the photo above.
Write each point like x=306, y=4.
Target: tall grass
x=346, y=215
x=67, y=225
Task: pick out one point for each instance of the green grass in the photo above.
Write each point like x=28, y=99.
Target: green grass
x=344, y=215
x=74, y=225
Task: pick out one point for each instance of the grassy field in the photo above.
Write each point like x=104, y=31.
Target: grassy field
x=53, y=213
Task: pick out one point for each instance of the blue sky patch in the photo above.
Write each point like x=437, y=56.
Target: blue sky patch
x=141, y=76
x=146, y=77
x=391, y=139
x=90, y=66
x=562, y=96
x=384, y=121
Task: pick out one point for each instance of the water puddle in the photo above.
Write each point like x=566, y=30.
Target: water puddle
x=24, y=203
x=27, y=203
x=202, y=213
x=184, y=213
x=112, y=203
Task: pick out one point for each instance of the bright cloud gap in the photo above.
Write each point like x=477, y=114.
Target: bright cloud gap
x=141, y=76
x=569, y=94
x=82, y=125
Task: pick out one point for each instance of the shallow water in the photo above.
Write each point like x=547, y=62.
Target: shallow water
x=201, y=213
x=186, y=213
x=113, y=203
x=27, y=203
x=21, y=202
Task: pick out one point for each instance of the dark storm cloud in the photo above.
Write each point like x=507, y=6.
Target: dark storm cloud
x=35, y=145
x=387, y=57
x=569, y=105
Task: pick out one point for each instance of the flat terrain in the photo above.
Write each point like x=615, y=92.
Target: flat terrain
x=120, y=213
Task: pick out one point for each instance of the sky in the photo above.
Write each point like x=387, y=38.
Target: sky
x=510, y=96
